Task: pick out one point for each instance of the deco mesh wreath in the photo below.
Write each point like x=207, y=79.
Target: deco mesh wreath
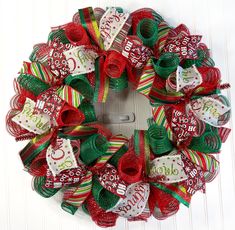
x=107, y=175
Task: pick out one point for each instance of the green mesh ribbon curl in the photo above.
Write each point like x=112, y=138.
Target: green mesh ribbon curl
x=202, y=60
x=81, y=84
x=39, y=187
x=166, y=64
x=58, y=34
x=208, y=142
x=68, y=208
x=103, y=197
x=119, y=84
x=32, y=84
x=147, y=31
x=92, y=148
x=158, y=139
x=115, y=158
x=88, y=110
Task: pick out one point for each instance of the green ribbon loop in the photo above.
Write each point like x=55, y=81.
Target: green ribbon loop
x=69, y=208
x=103, y=197
x=166, y=64
x=32, y=84
x=58, y=34
x=81, y=84
x=147, y=31
x=115, y=158
x=208, y=142
x=202, y=60
x=39, y=187
x=119, y=84
x=159, y=140
x=92, y=148
x=88, y=110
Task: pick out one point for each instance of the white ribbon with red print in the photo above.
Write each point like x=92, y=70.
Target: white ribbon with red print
x=60, y=156
x=135, y=202
x=187, y=78
x=209, y=110
x=110, y=25
x=168, y=169
x=81, y=60
x=36, y=123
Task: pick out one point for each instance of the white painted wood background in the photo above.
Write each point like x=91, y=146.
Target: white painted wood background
x=26, y=22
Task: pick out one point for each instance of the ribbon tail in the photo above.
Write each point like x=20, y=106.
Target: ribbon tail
x=75, y=196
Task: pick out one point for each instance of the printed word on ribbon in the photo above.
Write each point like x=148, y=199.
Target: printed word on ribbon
x=187, y=78
x=195, y=175
x=57, y=61
x=49, y=103
x=135, y=52
x=185, y=47
x=168, y=169
x=111, y=24
x=111, y=181
x=36, y=123
x=67, y=177
x=209, y=110
x=60, y=156
x=183, y=125
x=81, y=60
x=135, y=202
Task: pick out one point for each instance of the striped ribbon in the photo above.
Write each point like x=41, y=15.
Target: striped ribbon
x=163, y=30
x=117, y=43
x=205, y=161
x=101, y=81
x=41, y=142
x=177, y=191
x=142, y=148
x=40, y=188
x=38, y=70
x=159, y=117
x=89, y=22
x=115, y=143
x=34, y=148
x=146, y=79
x=77, y=132
x=40, y=53
x=77, y=195
x=58, y=33
x=70, y=95
x=223, y=133
x=163, y=96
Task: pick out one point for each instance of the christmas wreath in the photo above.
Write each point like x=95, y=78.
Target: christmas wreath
x=107, y=175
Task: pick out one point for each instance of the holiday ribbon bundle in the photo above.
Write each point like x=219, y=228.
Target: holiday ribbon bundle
x=108, y=175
